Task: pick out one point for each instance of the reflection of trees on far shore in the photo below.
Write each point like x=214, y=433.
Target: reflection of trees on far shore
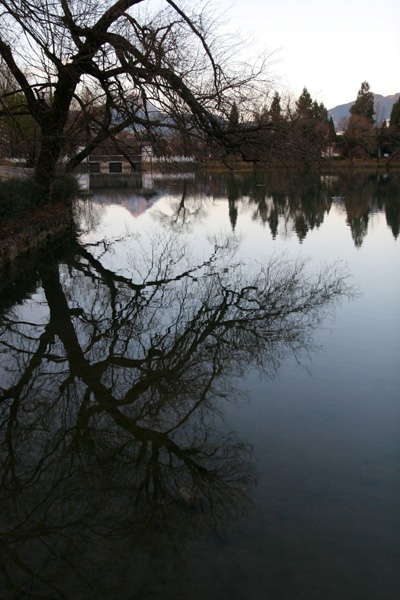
x=285, y=201
x=295, y=202
x=303, y=205
x=363, y=195
x=111, y=385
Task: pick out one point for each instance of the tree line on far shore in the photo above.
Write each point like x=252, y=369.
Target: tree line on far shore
x=302, y=133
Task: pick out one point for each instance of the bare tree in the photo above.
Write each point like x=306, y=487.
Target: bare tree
x=113, y=64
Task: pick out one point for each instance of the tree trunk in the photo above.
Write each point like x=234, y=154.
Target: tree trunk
x=52, y=121
x=49, y=154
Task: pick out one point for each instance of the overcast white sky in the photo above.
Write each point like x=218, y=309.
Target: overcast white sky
x=328, y=47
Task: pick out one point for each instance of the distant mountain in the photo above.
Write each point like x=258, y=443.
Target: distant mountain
x=383, y=108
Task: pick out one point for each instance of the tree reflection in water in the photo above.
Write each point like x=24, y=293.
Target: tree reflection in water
x=110, y=448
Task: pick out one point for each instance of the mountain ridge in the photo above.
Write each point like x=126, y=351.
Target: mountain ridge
x=383, y=107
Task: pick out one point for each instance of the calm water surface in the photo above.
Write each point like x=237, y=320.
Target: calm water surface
x=200, y=396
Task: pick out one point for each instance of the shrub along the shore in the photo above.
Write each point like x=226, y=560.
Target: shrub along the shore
x=18, y=196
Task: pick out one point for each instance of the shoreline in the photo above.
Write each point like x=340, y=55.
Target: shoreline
x=38, y=231
x=325, y=166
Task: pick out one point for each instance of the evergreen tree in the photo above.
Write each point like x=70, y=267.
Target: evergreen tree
x=319, y=112
x=234, y=116
x=304, y=105
x=395, y=115
x=364, y=105
x=275, y=110
x=332, y=130
x=310, y=128
x=263, y=115
x=393, y=136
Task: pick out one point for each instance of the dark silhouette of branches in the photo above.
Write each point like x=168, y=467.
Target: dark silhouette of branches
x=108, y=431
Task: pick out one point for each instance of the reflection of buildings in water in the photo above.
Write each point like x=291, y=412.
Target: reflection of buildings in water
x=115, y=181
x=148, y=178
x=83, y=180
x=147, y=181
x=329, y=180
x=139, y=193
x=134, y=181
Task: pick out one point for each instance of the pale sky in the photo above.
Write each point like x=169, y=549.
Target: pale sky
x=328, y=47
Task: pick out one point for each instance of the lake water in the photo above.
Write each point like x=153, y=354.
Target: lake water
x=201, y=395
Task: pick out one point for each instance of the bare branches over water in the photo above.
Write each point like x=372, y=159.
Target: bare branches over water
x=112, y=381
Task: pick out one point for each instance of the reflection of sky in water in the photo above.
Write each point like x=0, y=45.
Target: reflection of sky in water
x=34, y=314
